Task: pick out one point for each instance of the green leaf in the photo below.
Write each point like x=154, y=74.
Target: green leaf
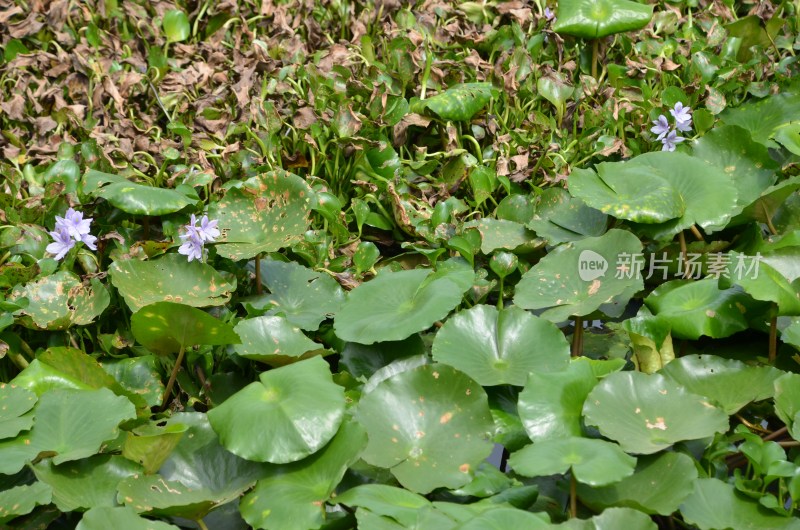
x=138, y=375
x=764, y=208
x=500, y=347
x=648, y=413
x=551, y=404
x=692, y=309
x=363, y=360
x=560, y=218
x=499, y=233
x=75, y=423
x=611, y=519
x=176, y=25
x=15, y=404
x=61, y=300
x=409, y=414
x=556, y=283
x=730, y=384
x=299, y=402
x=267, y=213
x=132, y=198
x=593, y=19
x=293, y=497
x=503, y=518
x=151, y=444
x=167, y=327
x=626, y=191
x=773, y=277
x=170, y=279
x=87, y=483
x=715, y=504
x=789, y=137
x=658, y=486
x=746, y=162
x=396, y=305
x=459, y=102
x=120, y=517
x=303, y=296
x=592, y=461
x=273, y=340
x=21, y=500
x=763, y=117
x=787, y=402
x=390, y=501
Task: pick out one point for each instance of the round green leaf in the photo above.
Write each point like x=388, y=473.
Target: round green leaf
x=409, y=415
x=560, y=218
x=503, y=518
x=730, y=384
x=762, y=117
x=132, y=198
x=791, y=334
x=500, y=233
x=460, y=102
x=746, y=162
x=709, y=201
x=197, y=476
x=714, y=504
x=648, y=413
x=15, y=404
x=21, y=500
x=773, y=278
x=166, y=327
x=592, y=19
x=789, y=137
x=631, y=192
x=396, y=305
x=87, y=483
x=303, y=296
x=150, y=444
x=267, y=213
x=75, y=423
x=787, y=402
x=120, y=517
x=658, y=486
x=551, y=404
x=500, y=347
x=578, y=278
x=138, y=375
x=299, y=403
x=390, y=501
x=699, y=308
x=273, y=340
x=176, y=25
x=293, y=497
x=61, y=300
x=170, y=279
x=592, y=461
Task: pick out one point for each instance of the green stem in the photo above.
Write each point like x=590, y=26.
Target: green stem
x=500, y=298
x=595, y=53
x=573, y=496
x=172, y=377
x=258, y=274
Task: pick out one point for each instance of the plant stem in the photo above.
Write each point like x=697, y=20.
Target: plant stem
x=201, y=524
x=697, y=233
x=776, y=434
x=172, y=377
x=769, y=221
x=773, y=335
x=595, y=46
x=258, y=274
x=573, y=496
x=500, y=298
x=577, y=338
x=684, y=252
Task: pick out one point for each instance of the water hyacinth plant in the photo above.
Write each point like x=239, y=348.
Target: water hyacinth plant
x=385, y=265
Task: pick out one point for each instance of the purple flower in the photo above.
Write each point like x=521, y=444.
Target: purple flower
x=74, y=223
x=670, y=140
x=62, y=243
x=683, y=118
x=549, y=15
x=207, y=231
x=661, y=127
x=192, y=246
x=196, y=237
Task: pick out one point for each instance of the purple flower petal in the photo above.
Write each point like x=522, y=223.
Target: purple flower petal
x=62, y=243
x=661, y=127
